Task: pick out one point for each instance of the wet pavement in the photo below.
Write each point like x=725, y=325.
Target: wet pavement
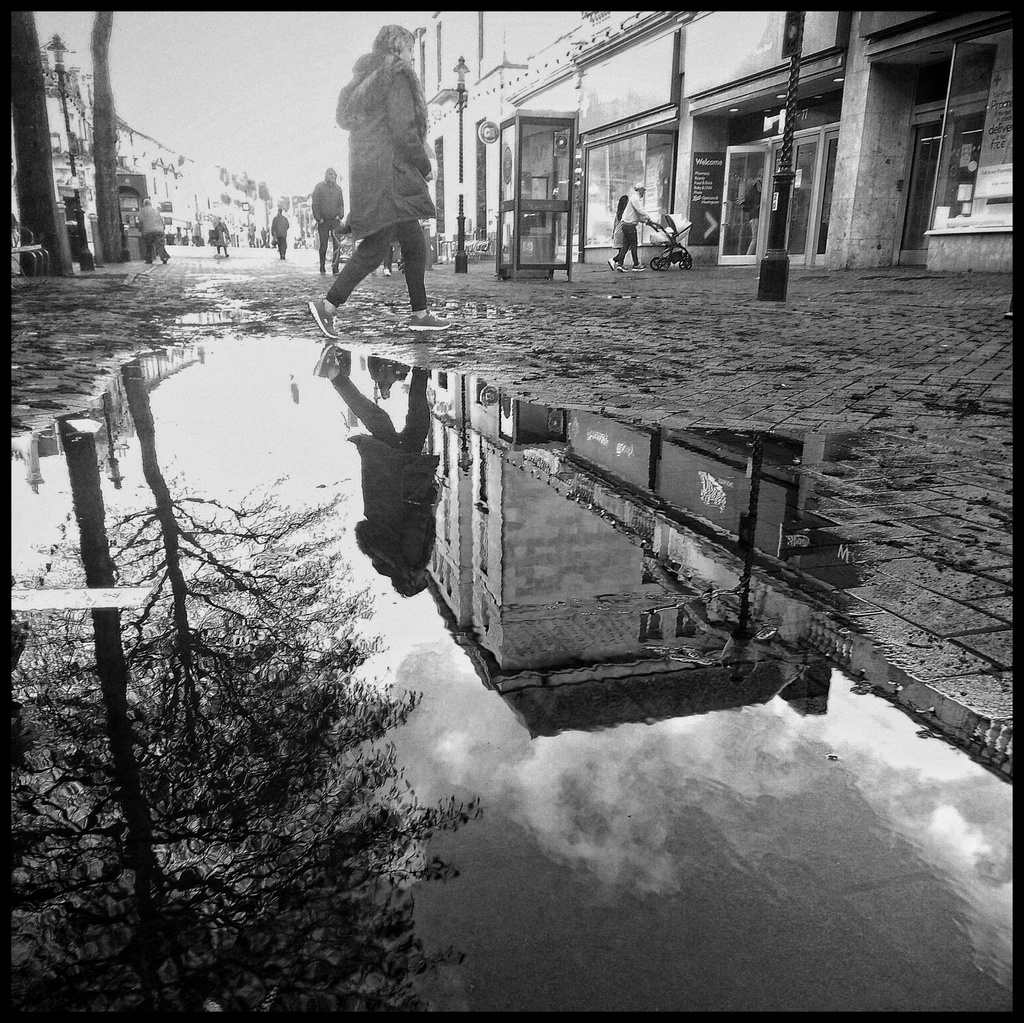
x=916, y=365
x=654, y=809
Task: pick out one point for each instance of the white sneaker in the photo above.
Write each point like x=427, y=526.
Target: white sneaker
x=387, y=272
x=429, y=322
x=612, y=264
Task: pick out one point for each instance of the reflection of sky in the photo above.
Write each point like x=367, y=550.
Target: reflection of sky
x=641, y=811
x=734, y=821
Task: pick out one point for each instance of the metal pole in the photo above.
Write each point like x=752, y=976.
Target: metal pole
x=83, y=255
x=461, y=259
x=774, y=274
x=750, y=528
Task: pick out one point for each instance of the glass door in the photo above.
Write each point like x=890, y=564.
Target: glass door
x=743, y=232
x=803, y=198
x=827, y=183
x=924, y=162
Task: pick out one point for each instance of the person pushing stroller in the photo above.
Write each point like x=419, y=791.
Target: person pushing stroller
x=633, y=214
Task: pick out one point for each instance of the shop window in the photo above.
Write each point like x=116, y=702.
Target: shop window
x=975, y=174
x=613, y=169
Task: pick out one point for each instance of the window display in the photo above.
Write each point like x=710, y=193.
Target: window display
x=613, y=169
x=975, y=183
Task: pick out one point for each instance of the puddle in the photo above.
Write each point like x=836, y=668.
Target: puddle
x=676, y=753
x=206, y=319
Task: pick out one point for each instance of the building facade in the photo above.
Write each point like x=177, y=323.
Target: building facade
x=189, y=195
x=903, y=141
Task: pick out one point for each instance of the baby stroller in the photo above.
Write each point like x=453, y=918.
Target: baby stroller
x=674, y=231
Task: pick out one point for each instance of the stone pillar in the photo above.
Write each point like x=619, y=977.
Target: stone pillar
x=878, y=102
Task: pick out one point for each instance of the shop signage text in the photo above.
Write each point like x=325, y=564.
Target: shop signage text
x=707, y=181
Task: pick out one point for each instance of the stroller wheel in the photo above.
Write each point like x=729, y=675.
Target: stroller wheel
x=686, y=261
x=659, y=263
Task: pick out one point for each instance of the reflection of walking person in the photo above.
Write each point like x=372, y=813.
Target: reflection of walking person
x=399, y=482
x=751, y=206
x=279, y=231
x=384, y=110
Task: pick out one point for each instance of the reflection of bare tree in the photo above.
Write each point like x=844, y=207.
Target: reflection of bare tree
x=227, y=823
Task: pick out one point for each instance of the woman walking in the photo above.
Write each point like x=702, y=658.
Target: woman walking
x=385, y=112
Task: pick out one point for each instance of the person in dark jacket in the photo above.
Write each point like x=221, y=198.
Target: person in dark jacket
x=399, y=480
x=279, y=231
x=328, y=208
x=220, y=238
x=384, y=111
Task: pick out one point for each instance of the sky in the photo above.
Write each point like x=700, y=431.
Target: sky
x=247, y=90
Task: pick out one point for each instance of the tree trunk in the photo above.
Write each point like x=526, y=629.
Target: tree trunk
x=37, y=199
x=104, y=127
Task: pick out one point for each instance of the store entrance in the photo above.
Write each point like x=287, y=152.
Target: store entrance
x=810, y=204
x=741, y=239
x=924, y=162
x=746, y=203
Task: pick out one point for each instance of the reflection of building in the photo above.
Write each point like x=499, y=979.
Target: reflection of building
x=554, y=574
x=112, y=415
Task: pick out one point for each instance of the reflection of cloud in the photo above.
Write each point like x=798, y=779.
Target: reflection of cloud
x=649, y=808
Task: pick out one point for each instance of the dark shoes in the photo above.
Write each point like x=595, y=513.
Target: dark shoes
x=333, y=362
x=323, y=319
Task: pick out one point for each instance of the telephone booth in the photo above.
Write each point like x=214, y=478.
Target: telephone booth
x=535, y=200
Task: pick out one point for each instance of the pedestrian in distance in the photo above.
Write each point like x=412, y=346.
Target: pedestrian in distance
x=197, y=235
x=390, y=258
x=151, y=227
x=632, y=215
x=385, y=112
x=264, y=239
x=751, y=206
x=220, y=238
x=279, y=231
x=328, y=208
x=252, y=236
x=617, y=232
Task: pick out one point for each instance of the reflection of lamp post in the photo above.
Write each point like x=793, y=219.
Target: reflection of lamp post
x=465, y=460
x=774, y=274
x=461, y=259
x=83, y=255
x=748, y=529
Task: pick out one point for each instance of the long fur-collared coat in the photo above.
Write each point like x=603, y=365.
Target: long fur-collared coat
x=385, y=113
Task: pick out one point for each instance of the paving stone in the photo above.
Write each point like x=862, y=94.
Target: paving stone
x=996, y=646
x=937, y=613
x=933, y=575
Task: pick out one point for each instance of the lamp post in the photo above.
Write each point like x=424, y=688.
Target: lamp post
x=82, y=254
x=461, y=259
x=774, y=274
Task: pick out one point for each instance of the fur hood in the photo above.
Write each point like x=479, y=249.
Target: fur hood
x=373, y=76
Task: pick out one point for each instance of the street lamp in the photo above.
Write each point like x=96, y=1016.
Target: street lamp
x=461, y=259
x=774, y=274
x=83, y=255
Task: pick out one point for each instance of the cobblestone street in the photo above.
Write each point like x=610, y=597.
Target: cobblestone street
x=917, y=363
